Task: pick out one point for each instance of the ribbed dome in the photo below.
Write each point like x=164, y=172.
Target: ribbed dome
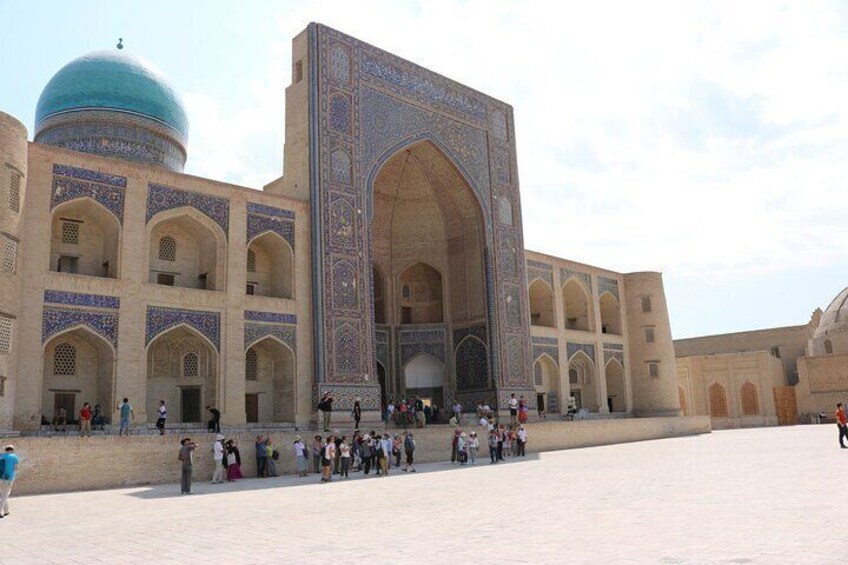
x=112, y=80
x=835, y=318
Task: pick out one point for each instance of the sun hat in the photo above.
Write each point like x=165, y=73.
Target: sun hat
x=219, y=436
x=298, y=438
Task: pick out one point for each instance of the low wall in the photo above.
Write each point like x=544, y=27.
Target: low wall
x=61, y=464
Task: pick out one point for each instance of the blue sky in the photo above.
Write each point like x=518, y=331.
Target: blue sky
x=706, y=140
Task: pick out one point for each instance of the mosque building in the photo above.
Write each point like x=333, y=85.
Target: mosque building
x=387, y=262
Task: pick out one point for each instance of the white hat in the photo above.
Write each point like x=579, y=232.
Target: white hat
x=219, y=436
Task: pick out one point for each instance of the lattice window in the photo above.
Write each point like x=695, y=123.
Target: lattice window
x=15, y=193
x=10, y=255
x=251, y=365
x=70, y=233
x=251, y=261
x=654, y=370
x=646, y=304
x=684, y=403
x=750, y=399
x=65, y=359
x=5, y=335
x=190, y=365
x=649, y=335
x=718, y=401
x=167, y=249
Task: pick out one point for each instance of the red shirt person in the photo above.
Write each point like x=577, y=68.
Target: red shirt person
x=85, y=419
x=842, y=424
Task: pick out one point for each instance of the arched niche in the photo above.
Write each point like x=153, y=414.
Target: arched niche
x=541, y=304
x=173, y=377
x=420, y=295
x=616, y=388
x=424, y=376
x=583, y=381
x=610, y=314
x=199, y=256
x=577, y=306
x=270, y=267
x=546, y=380
x=270, y=382
x=77, y=367
x=85, y=239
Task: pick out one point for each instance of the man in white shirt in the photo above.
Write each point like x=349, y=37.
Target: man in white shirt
x=218, y=456
x=522, y=441
x=513, y=409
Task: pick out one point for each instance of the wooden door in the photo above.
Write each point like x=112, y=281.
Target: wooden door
x=190, y=404
x=786, y=405
x=251, y=408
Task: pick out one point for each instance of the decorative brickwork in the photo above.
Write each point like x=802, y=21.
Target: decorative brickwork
x=718, y=401
x=750, y=399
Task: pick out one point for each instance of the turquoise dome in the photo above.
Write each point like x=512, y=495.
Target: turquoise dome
x=113, y=80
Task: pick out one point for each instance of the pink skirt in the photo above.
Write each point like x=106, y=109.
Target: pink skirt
x=234, y=472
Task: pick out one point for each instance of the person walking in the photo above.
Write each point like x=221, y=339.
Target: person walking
x=357, y=414
x=317, y=449
x=344, y=449
x=420, y=420
x=261, y=456
x=473, y=446
x=163, y=415
x=186, y=457
x=301, y=456
x=842, y=424
x=218, y=457
x=233, y=459
x=9, y=464
x=409, y=451
x=125, y=410
x=85, y=420
x=521, y=437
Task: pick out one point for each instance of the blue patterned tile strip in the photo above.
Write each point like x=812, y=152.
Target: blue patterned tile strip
x=537, y=340
x=270, y=317
x=256, y=332
x=161, y=198
x=254, y=208
x=76, y=299
x=161, y=319
x=258, y=224
x=66, y=189
x=539, y=350
x=57, y=319
x=85, y=174
x=587, y=348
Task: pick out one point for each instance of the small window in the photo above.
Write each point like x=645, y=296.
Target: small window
x=646, y=304
x=68, y=264
x=251, y=365
x=165, y=279
x=201, y=281
x=65, y=360
x=653, y=370
x=10, y=255
x=15, y=193
x=5, y=335
x=251, y=261
x=573, y=377
x=775, y=351
x=2, y=386
x=167, y=249
x=649, y=335
x=828, y=347
x=70, y=233
x=190, y=365
x=298, y=71
x=251, y=289
x=406, y=293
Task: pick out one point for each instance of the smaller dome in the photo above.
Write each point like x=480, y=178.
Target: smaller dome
x=113, y=80
x=835, y=318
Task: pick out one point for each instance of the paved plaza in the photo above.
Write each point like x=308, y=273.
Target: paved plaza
x=771, y=495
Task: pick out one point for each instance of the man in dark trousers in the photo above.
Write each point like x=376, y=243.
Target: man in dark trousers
x=214, y=424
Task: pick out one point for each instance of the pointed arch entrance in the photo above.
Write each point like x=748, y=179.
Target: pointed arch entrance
x=546, y=379
x=78, y=366
x=428, y=237
x=182, y=370
x=269, y=372
x=616, y=390
x=424, y=377
x=582, y=378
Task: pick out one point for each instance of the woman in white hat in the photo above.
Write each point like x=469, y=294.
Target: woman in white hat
x=300, y=456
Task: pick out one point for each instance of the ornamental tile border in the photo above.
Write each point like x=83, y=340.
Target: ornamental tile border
x=77, y=299
x=85, y=174
x=587, y=348
x=56, y=319
x=607, y=284
x=161, y=198
x=551, y=351
x=585, y=278
x=265, y=210
x=608, y=355
x=67, y=189
x=254, y=333
x=272, y=317
x=160, y=320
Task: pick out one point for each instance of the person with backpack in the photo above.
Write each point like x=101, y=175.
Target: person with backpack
x=301, y=456
x=271, y=457
x=187, y=459
x=317, y=449
x=126, y=412
x=409, y=450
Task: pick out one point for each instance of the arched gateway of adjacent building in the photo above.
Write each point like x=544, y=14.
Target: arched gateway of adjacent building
x=428, y=266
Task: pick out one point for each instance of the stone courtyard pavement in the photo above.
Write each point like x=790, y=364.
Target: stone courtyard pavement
x=770, y=496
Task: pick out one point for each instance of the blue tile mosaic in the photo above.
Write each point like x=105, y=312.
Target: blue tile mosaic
x=76, y=299
x=472, y=364
x=606, y=284
x=93, y=176
x=254, y=333
x=477, y=331
x=56, y=319
x=538, y=340
x=161, y=198
x=609, y=355
x=339, y=116
x=585, y=278
x=270, y=317
x=265, y=210
x=539, y=350
x=614, y=346
x=66, y=189
x=160, y=319
x=587, y=348
x=258, y=224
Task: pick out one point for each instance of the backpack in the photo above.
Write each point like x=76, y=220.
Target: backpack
x=409, y=444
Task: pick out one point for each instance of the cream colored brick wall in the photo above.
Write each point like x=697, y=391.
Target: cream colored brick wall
x=120, y=461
